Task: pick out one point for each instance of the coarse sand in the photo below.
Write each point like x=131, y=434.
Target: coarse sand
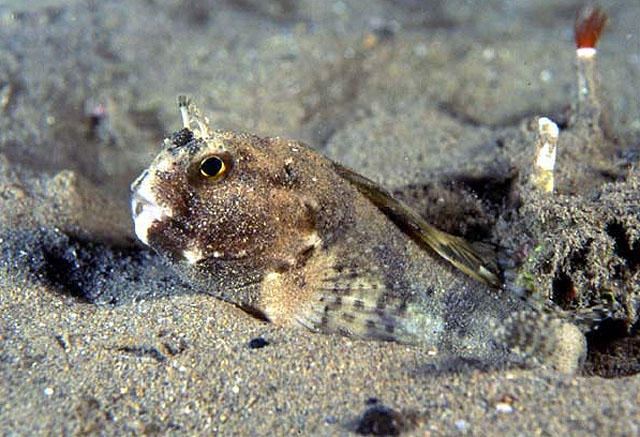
x=436, y=100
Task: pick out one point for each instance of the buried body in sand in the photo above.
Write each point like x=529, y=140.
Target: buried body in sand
x=292, y=237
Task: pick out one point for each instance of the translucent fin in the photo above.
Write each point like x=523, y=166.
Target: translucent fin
x=539, y=337
x=359, y=315
x=476, y=261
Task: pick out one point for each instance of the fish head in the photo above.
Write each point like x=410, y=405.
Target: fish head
x=232, y=205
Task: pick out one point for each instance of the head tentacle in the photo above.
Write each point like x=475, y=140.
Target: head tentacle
x=192, y=119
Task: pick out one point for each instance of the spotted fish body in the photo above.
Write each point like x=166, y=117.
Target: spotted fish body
x=283, y=232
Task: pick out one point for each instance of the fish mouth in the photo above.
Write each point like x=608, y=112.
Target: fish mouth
x=145, y=212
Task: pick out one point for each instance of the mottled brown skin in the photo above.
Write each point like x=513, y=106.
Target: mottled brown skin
x=284, y=235
x=262, y=218
x=249, y=217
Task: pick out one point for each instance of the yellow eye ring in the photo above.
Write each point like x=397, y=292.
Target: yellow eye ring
x=212, y=168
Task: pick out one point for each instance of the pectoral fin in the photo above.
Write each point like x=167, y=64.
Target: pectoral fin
x=326, y=296
x=356, y=304
x=474, y=260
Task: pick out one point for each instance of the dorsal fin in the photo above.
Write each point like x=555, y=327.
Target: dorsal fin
x=460, y=253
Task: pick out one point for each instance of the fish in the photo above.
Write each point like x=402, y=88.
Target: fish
x=297, y=239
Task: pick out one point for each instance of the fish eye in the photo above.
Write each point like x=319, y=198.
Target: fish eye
x=213, y=168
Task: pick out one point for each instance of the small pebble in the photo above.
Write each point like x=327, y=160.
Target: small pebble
x=502, y=407
x=258, y=343
x=380, y=420
x=461, y=425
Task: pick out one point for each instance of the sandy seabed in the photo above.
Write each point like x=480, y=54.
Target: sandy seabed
x=435, y=100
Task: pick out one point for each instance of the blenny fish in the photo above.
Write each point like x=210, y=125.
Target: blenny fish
x=289, y=235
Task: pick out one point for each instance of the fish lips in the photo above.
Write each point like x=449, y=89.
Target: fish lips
x=145, y=210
